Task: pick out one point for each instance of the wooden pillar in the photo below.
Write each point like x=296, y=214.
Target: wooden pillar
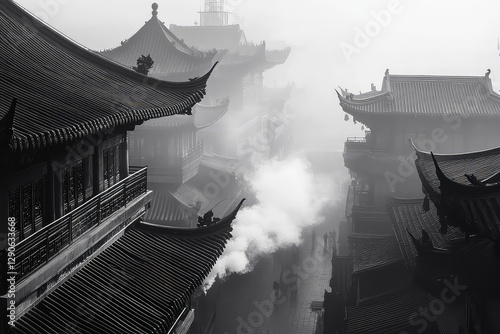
x=50, y=195
x=98, y=170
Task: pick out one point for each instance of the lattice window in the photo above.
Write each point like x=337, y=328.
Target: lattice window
x=105, y=165
x=71, y=188
x=79, y=180
x=117, y=163
x=65, y=182
x=111, y=166
x=89, y=176
x=27, y=209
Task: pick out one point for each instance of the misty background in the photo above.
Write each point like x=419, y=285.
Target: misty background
x=453, y=37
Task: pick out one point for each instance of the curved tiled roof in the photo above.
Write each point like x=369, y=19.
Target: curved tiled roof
x=203, y=116
x=139, y=284
x=408, y=215
x=179, y=205
x=483, y=164
x=388, y=316
x=474, y=258
x=428, y=95
x=166, y=209
x=169, y=53
x=65, y=92
x=463, y=203
x=373, y=252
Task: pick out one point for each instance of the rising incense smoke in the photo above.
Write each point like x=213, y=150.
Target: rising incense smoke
x=289, y=198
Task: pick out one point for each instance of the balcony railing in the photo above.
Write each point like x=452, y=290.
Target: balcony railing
x=357, y=196
x=356, y=140
x=39, y=248
x=360, y=144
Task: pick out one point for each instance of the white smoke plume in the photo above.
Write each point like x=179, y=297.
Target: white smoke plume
x=289, y=198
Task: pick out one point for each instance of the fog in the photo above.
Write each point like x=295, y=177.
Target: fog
x=417, y=37
x=289, y=197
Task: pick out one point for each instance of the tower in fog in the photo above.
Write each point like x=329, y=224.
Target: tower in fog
x=214, y=14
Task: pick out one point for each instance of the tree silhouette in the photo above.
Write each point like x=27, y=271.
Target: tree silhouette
x=144, y=64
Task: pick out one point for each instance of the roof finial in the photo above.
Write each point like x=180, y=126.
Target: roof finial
x=439, y=172
x=387, y=72
x=155, y=8
x=488, y=71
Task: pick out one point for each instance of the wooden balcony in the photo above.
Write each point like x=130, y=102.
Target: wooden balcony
x=65, y=241
x=357, y=196
x=363, y=157
x=41, y=247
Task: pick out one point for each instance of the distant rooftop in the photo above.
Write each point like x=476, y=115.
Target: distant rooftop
x=170, y=54
x=369, y=252
x=426, y=95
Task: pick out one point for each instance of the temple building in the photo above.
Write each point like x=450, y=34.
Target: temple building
x=173, y=59
x=187, y=156
x=170, y=146
x=395, y=210
x=439, y=113
x=239, y=76
x=179, y=167
x=74, y=247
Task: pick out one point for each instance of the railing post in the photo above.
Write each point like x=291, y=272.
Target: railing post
x=47, y=246
x=98, y=209
x=70, y=227
x=125, y=192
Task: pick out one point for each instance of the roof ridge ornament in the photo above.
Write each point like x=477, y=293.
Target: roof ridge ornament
x=155, y=9
x=388, y=87
x=487, y=75
x=439, y=172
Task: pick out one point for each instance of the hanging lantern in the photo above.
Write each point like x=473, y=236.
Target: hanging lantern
x=346, y=117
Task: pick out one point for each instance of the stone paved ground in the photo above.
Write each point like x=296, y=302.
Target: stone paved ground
x=297, y=317
x=245, y=305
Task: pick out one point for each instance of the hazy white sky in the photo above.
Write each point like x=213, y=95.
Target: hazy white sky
x=454, y=37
